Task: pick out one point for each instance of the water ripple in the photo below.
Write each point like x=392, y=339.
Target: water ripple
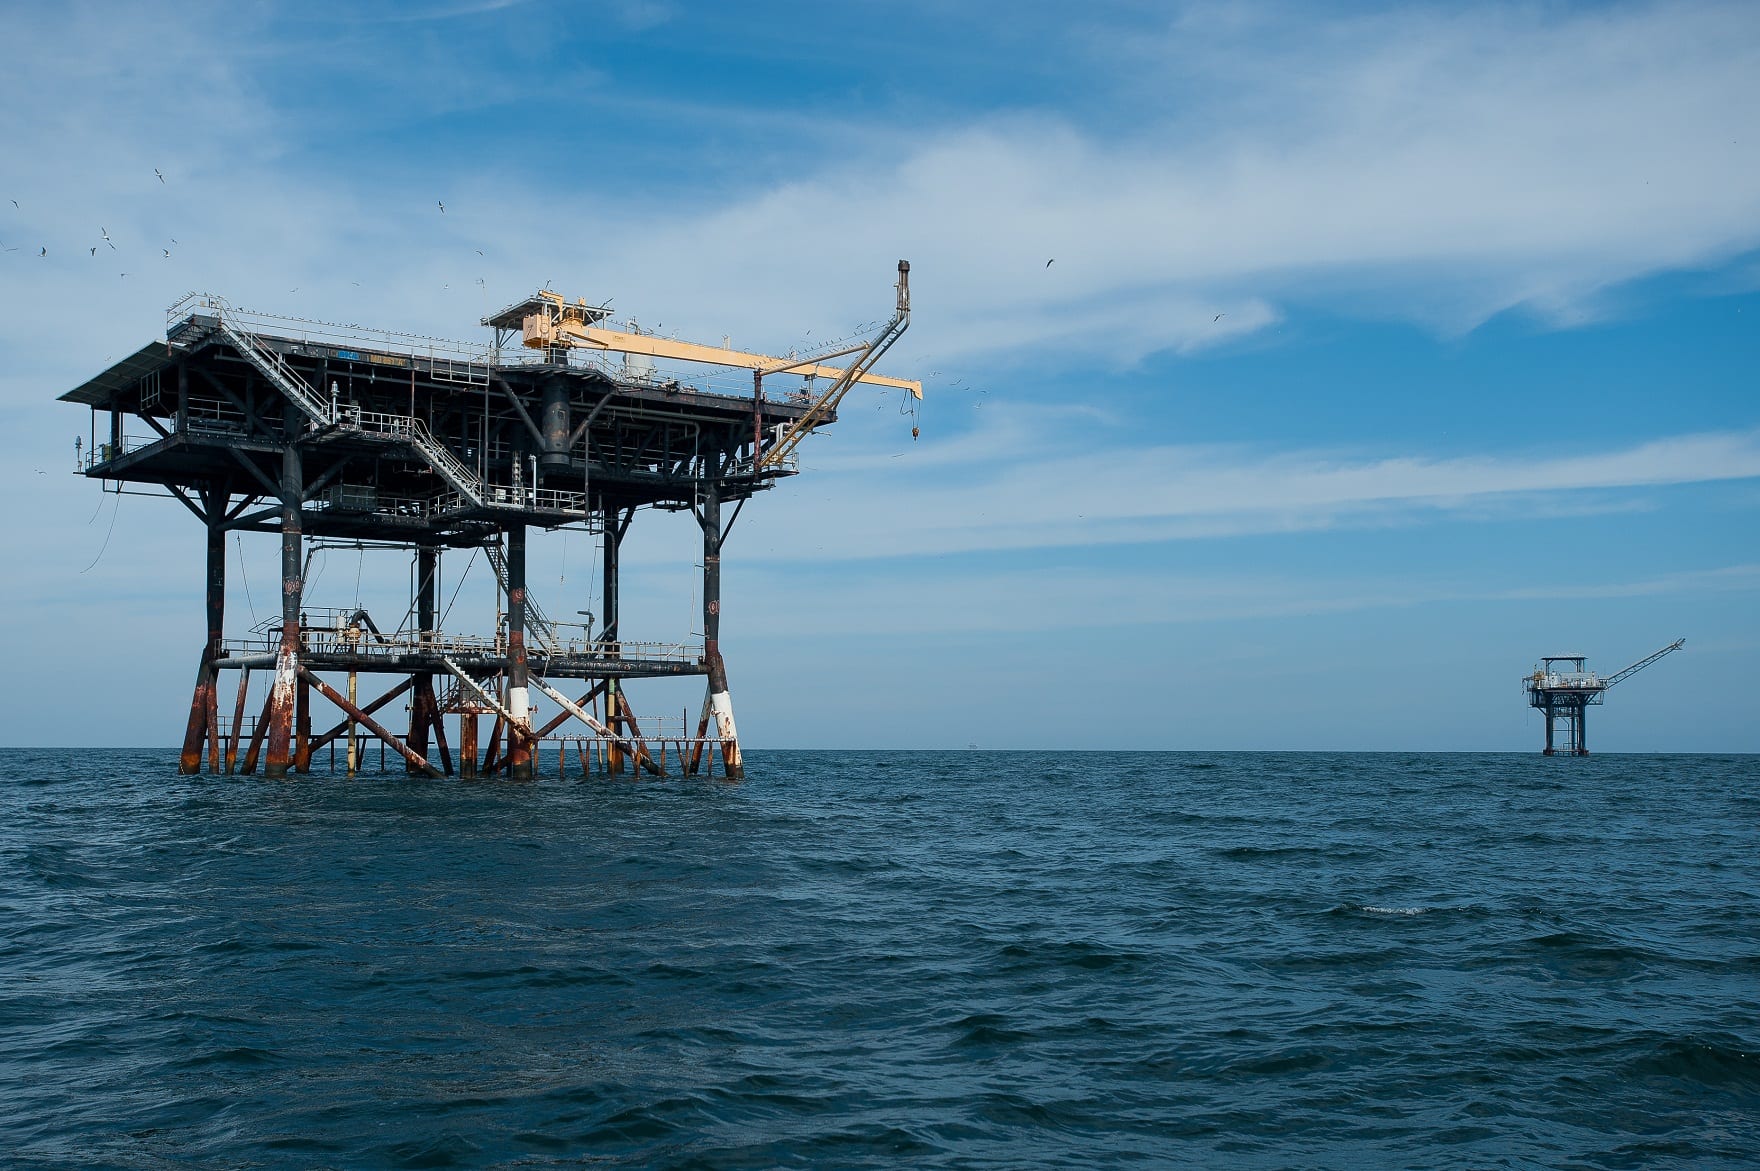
x=886, y=959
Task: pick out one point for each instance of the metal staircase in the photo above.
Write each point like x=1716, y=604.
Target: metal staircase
x=536, y=620
x=451, y=469
x=438, y=456
x=275, y=368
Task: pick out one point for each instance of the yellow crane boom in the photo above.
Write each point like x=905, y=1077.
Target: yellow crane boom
x=549, y=321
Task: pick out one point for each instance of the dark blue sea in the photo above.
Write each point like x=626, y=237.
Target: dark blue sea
x=887, y=959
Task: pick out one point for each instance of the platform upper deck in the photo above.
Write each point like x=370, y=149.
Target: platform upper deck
x=406, y=438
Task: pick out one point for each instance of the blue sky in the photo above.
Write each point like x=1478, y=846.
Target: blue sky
x=1385, y=347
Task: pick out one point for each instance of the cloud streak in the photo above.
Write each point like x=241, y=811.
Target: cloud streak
x=1028, y=496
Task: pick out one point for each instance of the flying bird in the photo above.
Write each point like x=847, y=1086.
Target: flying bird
x=156, y=172
x=3, y=248
x=441, y=206
x=1217, y=318
x=1050, y=262
x=105, y=232
x=15, y=203
x=167, y=253
x=478, y=251
x=94, y=249
x=44, y=252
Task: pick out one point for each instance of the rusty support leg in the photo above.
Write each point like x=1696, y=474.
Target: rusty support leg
x=244, y=685
x=643, y=756
x=282, y=698
x=720, y=702
x=492, y=754
x=195, y=733
x=702, y=732
x=423, y=708
x=467, y=745
x=203, y=703
x=214, y=764
x=257, y=736
x=439, y=732
x=372, y=725
x=302, y=727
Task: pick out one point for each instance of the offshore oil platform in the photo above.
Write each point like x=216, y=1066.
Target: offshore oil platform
x=316, y=432
x=1566, y=696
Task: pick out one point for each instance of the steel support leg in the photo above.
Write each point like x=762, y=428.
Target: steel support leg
x=720, y=702
x=202, y=730
x=519, y=703
x=281, y=696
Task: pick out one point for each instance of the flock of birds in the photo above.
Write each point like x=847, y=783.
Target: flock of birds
x=165, y=253
x=103, y=234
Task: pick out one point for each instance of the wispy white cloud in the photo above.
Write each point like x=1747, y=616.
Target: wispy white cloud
x=1031, y=494
x=1071, y=597
x=1431, y=164
x=1437, y=165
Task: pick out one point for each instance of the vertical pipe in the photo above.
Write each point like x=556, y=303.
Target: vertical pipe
x=354, y=700
x=182, y=397
x=215, y=503
x=757, y=418
x=720, y=702
x=1583, y=730
x=287, y=658
x=1548, y=710
x=610, y=634
x=519, y=736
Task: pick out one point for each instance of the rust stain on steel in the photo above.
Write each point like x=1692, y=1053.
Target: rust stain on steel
x=244, y=684
x=257, y=736
x=195, y=732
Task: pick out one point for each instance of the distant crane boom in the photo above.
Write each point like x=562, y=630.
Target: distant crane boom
x=1627, y=672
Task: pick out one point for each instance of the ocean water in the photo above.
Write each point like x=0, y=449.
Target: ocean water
x=887, y=959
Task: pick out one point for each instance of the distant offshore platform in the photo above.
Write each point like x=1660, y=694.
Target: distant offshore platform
x=1566, y=696
x=324, y=433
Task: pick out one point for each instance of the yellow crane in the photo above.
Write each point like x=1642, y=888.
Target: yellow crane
x=548, y=321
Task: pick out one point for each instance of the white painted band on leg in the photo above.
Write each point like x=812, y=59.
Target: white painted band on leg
x=721, y=704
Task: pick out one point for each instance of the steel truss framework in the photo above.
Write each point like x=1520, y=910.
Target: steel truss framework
x=261, y=433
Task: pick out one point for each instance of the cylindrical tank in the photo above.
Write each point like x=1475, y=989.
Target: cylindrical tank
x=553, y=422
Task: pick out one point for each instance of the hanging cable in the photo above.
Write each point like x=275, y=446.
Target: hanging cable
x=113, y=511
x=245, y=578
x=467, y=572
